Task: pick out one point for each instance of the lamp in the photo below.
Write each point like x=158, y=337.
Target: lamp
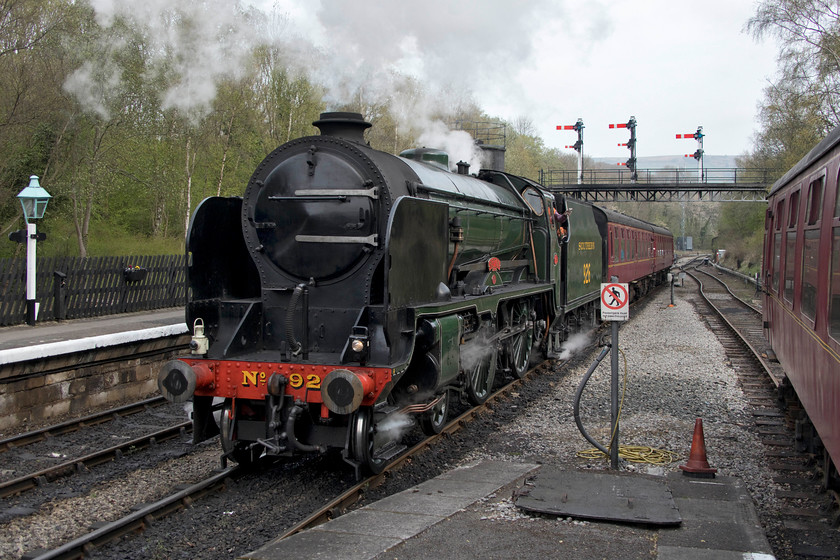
x=33, y=200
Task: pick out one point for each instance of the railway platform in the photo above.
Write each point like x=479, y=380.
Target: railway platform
x=51, y=370
x=54, y=337
x=476, y=512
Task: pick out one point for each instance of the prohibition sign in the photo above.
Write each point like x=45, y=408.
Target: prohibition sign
x=614, y=298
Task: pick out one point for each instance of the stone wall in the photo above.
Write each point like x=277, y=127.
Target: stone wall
x=42, y=391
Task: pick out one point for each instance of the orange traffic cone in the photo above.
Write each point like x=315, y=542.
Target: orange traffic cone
x=697, y=464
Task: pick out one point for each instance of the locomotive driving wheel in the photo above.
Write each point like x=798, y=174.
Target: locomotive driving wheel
x=433, y=421
x=366, y=441
x=480, y=377
x=519, y=345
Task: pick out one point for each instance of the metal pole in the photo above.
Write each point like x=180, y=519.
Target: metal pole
x=31, y=244
x=579, y=124
x=614, y=397
x=673, y=280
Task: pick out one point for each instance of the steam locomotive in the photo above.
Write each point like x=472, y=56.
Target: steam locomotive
x=350, y=290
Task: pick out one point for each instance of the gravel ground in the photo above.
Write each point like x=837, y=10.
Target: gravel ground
x=676, y=372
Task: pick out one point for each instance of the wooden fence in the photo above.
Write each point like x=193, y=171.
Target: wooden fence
x=73, y=288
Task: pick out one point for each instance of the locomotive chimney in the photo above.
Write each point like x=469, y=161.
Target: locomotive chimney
x=347, y=126
x=494, y=157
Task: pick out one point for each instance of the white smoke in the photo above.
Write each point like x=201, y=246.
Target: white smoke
x=94, y=84
x=198, y=42
x=475, y=350
x=572, y=345
x=365, y=48
x=395, y=426
x=457, y=143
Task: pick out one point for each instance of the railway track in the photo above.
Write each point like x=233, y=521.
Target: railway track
x=55, y=436
x=743, y=319
x=136, y=520
x=805, y=526
x=79, y=464
x=34, y=436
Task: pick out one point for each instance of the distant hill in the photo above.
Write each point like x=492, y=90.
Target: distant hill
x=678, y=162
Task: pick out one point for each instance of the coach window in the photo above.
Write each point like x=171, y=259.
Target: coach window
x=778, y=219
x=777, y=260
x=623, y=245
x=837, y=198
x=811, y=249
x=790, y=252
x=810, y=272
x=834, y=304
x=834, y=288
x=780, y=214
x=815, y=197
x=790, y=245
x=793, y=209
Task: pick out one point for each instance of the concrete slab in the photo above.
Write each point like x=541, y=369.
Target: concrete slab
x=599, y=495
x=682, y=553
x=323, y=544
x=716, y=535
x=712, y=510
x=390, y=524
x=718, y=488
x=439, y=505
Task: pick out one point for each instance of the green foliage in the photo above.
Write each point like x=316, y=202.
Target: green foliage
x=527, y=155
x=742, y=233
x=803, y=105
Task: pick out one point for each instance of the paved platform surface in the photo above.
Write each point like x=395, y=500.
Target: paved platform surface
x=61, y=331
x=55, y=337
x=470, y=513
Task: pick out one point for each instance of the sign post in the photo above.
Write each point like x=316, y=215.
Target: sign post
x=615, y=299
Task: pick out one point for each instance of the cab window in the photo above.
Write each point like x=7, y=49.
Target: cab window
x=534, y=200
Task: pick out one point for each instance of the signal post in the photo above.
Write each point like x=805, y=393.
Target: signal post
x=577, y=146
x=698, y=153
x=630, y=144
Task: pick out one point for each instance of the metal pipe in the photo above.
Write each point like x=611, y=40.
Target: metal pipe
x=579, y=393
x=614, y=398
x=290, y=433
x=305, y=322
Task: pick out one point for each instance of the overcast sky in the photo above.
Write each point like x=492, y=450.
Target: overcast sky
x=672, y=64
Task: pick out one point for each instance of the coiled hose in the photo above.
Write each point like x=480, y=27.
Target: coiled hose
x=632, y=453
